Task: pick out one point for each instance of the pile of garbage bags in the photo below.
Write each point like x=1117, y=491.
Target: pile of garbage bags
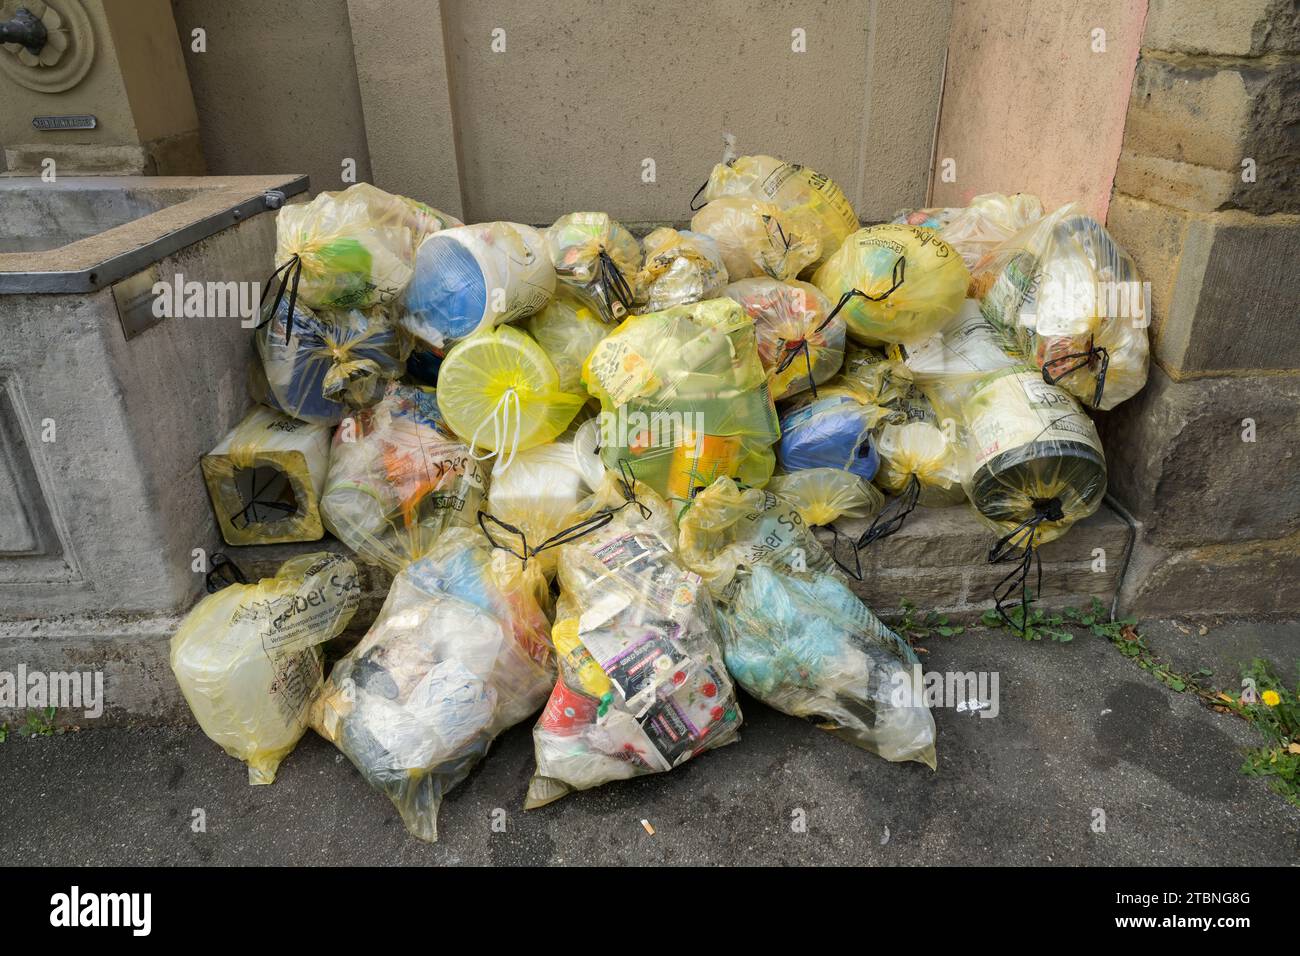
x=593, y=465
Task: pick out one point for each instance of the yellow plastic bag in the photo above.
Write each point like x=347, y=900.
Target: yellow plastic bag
x=757, y=238
x=642, y=686
x=1072, y=301
x=684, y=398
x=458, y=653
x=799, y=343
x=398, y=479
x=356, y=248
x=824, y=495
x=265, y=479
x=248, y=660
x=597, y=256
x=567, y=330
x=790, y=187
x=328, y=363
x=680, y=268
x=894, y=283
x=873, y=376
x=975, y=230
x=500, y=393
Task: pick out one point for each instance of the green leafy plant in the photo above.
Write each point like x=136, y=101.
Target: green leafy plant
x=1033, y=625
x=40, y=725
x=1274, y=710
x=4, y=733
x=914, y=625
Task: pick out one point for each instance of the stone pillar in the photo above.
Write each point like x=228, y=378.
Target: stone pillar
x=108, y=93
x=1207, y=457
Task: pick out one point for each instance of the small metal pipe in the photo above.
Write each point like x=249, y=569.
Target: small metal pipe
x=25, y=28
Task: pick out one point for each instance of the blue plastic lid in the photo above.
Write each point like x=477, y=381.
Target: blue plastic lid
x=447, y=293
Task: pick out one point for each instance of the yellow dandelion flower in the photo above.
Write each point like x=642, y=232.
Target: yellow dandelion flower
x=1271, y=698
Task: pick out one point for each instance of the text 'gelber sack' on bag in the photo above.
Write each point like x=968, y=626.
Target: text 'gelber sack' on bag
x=794, y=635
x=330, y=363
x=1071, y=300
x=792, y=188
x=458, y=653
x=684, y=398
x=265, y=479
x=799, y=343
x=500, y=393
x=642, y=685
x=894, y=283
x=354, y=248
x=598, y=258
x=471, y=278
x=398, y=478
x=248, y=658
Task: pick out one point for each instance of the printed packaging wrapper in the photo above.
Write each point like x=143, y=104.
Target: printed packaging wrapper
x=824, y=495
x=798, y=344
x=472, y=278
x=680, y=268
x=975, y=230
x=596, y=256
x=833, y=430
x=790, y=187
x=265, y=479
x=1071, y=299
x=500, y=393
x=684, y=398
x=642, y=685
x=356, y=247
x=544, y=485
x=458, y=653
x=873, y=376
x=727, y=531
x=1030, y=446
x=757, y=238
x=946, y=366
x=804, y=644
x=248, y=658
x=567, y=330
x=905, y=282
x=398, y=478
x=334, y=361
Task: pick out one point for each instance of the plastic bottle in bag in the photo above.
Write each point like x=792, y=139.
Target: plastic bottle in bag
x=458, y=653
x=499, y=392
x=355, y=248
x=757, y=238
x=684, y=398
x=894, y=283
x=659, y=693
x=1072, y=301
x=398, y=478
x=471, y=278
x=329, y=363
x=247, y=657
x=790, y=187
x=799, y=343
x=598, y=257
x=680, y=268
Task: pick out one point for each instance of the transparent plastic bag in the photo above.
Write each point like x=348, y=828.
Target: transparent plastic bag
x=1071, y=299
x=946, y=366
x=500, y=393
x=790, y=187
x=597, y=256
x=680, y=268
x=684, y=398
x=799, y=343
x=458, y=653
x=894, y=283
x=247, y=657
x=824, y=495
x=355, y=248
x=921, y=454
x=544, y=485
x=471, y=278
x=642, y=685
x=331, y=362
x=567, y=330
x=975, y=230
x=757, y=238
x=398, y=479
x=265, y=479
x=832, y=430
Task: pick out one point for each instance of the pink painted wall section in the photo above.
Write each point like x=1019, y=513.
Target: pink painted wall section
x=1028, y=106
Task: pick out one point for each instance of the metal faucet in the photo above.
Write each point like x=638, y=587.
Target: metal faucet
x=25, y=28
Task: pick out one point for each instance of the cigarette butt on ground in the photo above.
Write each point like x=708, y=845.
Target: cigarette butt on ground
x=648, y=828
